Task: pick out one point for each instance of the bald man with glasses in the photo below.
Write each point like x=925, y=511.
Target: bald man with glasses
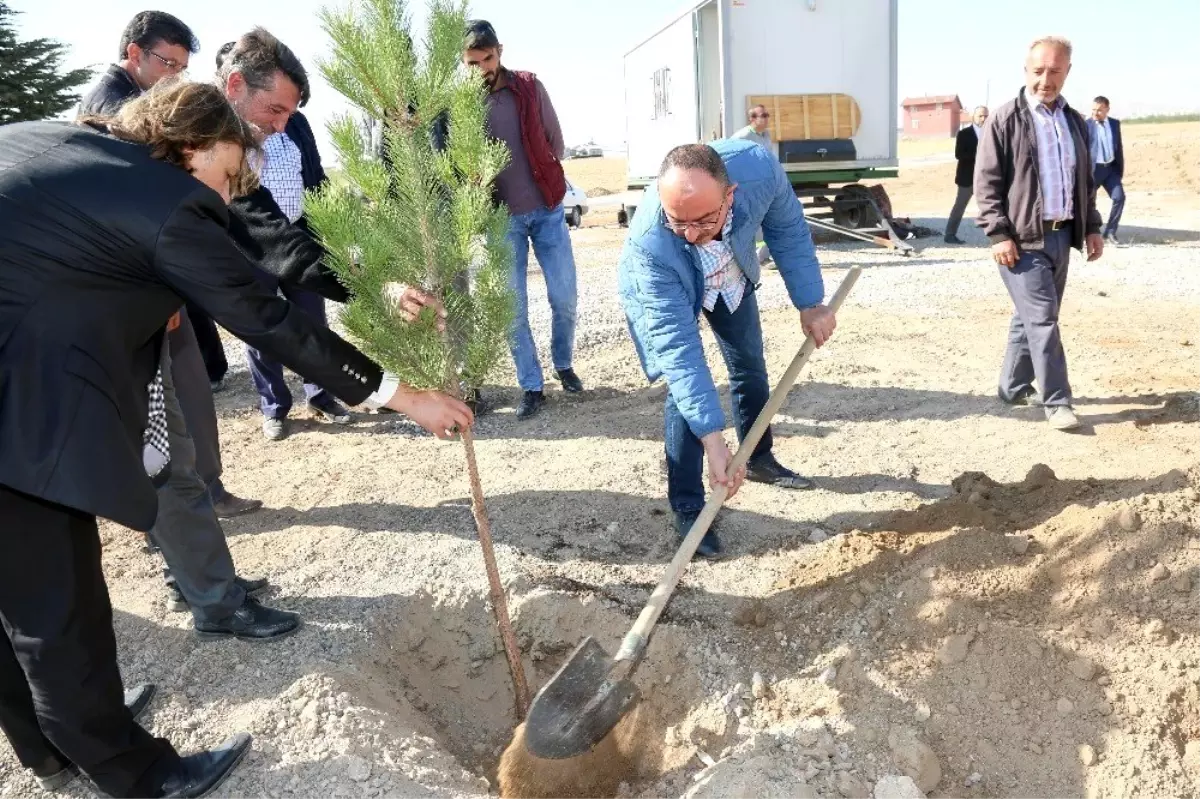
x=690, y=251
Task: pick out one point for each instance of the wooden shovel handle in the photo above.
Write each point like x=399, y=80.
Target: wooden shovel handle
x=638, y=636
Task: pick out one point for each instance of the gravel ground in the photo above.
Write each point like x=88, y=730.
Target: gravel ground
x=888, y=614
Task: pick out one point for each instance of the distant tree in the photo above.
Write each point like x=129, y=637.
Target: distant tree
x=32, y=85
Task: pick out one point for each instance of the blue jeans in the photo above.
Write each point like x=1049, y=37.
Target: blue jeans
x=739, y=335
x=547, y=229
x=275, y=398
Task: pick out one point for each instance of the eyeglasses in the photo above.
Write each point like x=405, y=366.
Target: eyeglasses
x=169, y=63
x=681, y=228
x=763, y=115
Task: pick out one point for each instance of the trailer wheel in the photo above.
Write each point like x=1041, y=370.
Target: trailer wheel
x=852, y=208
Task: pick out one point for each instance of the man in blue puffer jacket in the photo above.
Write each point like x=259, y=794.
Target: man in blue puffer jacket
x=691, y=249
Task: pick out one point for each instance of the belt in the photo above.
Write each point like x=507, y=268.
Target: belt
x=1055, y=224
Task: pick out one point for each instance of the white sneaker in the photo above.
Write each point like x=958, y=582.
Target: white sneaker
x=1062, y=417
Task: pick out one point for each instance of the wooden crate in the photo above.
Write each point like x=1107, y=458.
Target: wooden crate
x=809, y=116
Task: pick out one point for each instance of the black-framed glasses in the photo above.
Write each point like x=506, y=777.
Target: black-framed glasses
x=169, y=63
x=681, y=228
x=760, y=115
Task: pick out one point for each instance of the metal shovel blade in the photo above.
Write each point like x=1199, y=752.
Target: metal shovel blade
x=580, y=705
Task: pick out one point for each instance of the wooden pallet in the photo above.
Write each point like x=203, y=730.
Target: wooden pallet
x=809, y=116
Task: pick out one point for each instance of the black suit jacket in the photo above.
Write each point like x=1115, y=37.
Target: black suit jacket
x=1118, y=162
x=100, y=245
x=965, y=145
x=113, y=90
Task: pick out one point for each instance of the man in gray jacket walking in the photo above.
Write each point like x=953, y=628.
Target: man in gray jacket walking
x=1037, y=200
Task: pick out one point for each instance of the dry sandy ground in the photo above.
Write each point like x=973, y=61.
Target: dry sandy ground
x=966, y=597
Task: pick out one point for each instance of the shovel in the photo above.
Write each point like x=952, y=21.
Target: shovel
x=591, y=693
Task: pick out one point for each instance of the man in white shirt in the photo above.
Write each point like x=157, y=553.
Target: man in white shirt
x=1037, y=201
x=965, y=146
x=281, y=174
x=1108, y=162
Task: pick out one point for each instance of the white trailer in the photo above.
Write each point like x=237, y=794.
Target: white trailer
x=824, y=69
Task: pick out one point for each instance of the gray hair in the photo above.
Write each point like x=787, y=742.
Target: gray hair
x=1062, y=43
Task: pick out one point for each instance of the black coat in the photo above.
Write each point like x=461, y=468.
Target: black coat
x=301, y=134
x=1118, y=162
x=113, y=90
x=965, y=145
x=100, y=245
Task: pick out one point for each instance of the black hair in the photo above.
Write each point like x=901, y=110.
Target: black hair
x=258, y=56
x=696, y=156
x=1100, y=98
x=148, y=28
x=480, y=35
x=224, y=51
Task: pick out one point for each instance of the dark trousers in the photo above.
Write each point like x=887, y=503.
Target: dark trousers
x=1107, y=177
x=60, y=688
x=956, y=213
x=275, y=398
x=191, y=381
x=209, y=340
x=739, y=335
x=186, y=530
x=1036, y=284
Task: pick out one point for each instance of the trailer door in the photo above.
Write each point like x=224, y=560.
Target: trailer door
x=661, y=97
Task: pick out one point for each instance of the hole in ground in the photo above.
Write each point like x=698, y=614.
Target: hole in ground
x=442, y=670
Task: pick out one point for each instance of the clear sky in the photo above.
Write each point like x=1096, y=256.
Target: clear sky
x=1143, y=54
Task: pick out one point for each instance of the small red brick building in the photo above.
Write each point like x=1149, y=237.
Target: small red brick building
x=926, y=117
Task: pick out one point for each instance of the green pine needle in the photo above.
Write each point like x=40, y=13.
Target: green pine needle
x=428, y=220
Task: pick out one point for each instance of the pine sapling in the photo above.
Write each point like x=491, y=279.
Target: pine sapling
x=420, y=213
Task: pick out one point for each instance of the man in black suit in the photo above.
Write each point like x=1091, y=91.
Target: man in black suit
x=102, y=244
x=1108, y=162
x=154, y=45
x=965, y=145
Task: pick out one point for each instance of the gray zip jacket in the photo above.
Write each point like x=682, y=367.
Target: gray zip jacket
x=1007, y=186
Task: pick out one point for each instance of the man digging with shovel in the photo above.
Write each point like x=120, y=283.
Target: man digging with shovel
x=691, y=249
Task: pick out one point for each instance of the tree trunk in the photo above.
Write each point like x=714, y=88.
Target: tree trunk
x=499, y=603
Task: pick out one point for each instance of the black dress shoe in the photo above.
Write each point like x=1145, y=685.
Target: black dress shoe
x=710, y=545
x=229, y=506
x=252, y=586
x=139, y=697
x=531, y=403
x=953, y=240
x=177, y=603
x=765, y=469
x=251, y=622
x=202, y=773
x=570, y=381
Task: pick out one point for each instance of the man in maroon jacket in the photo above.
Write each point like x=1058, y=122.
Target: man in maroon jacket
x=521, y=115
